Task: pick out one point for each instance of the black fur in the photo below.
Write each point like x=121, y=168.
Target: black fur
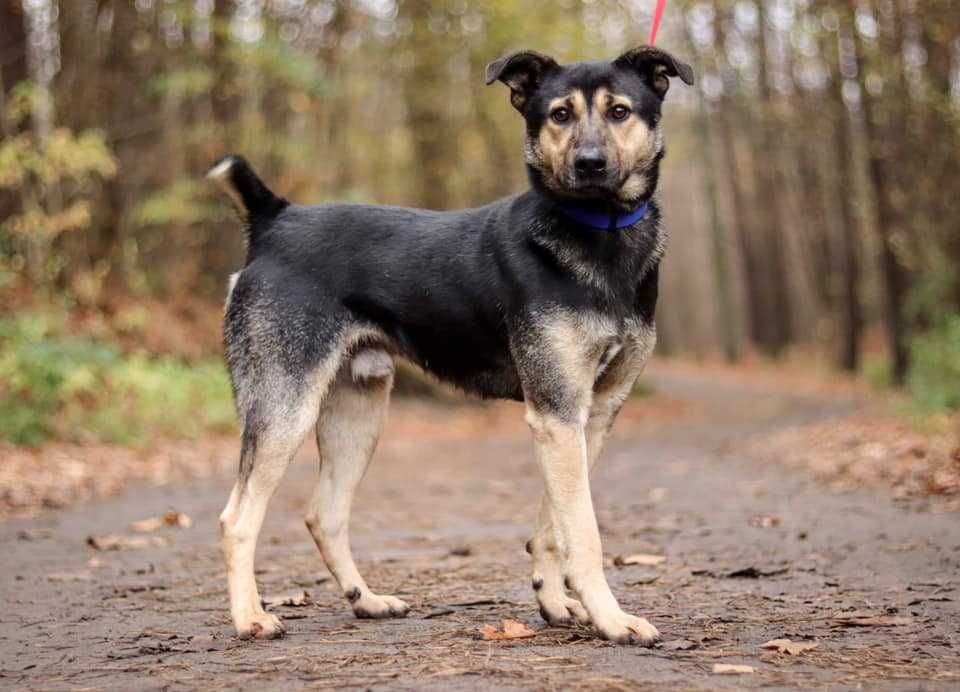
x=513, y=299
x=259, y=202
x=447, y=288
x=452, y=291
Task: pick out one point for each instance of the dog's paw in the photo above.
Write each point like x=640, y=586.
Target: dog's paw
x=563, y=611
x=629, y=629
x=370, y=605
x=261, y=626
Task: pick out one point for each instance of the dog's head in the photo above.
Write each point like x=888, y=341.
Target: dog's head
x=593, y=128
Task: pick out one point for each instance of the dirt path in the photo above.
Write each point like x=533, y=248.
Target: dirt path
x=753, y=553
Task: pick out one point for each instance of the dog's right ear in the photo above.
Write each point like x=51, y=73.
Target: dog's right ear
x=522, y=72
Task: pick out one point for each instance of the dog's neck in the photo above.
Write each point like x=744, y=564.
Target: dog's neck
x=606, y=213
x=603, y=217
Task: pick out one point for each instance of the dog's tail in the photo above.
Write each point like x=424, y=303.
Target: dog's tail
x=252, y=198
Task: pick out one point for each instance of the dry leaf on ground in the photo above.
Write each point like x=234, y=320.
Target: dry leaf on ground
x=732, y=669
x=679, y=645
x=84, y=575
x=870, y=449
x=787, y=646
x=639, y=559
x=749, y=572
x=297, y=599
x=764, y=521
x=511, y=630
x=862, y=618
x=178, y=519
x=117, y=541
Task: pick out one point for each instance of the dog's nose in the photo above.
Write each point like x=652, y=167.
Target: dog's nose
x=590, y=162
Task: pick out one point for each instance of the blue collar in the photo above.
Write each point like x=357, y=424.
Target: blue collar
x=603, y=220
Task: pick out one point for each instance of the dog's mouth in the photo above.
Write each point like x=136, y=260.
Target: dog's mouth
x=593, y=187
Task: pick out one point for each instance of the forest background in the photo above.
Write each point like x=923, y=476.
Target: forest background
x=811, y=185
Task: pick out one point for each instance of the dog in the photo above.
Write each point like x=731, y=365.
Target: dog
x=545, y=297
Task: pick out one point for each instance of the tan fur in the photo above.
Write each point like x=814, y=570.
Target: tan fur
x=351, y=420
x=630, y=144
x=557, y=141
x=243, y=516
x=566, y=542
x=220, y=175
x=231, y=284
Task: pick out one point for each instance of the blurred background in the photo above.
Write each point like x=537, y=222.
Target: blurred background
x=812, y=185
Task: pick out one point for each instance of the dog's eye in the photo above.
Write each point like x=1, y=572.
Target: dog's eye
x=560, y=115
x=619, y=112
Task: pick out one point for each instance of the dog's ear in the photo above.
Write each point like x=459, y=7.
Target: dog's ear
x=655, y=66
x=522, y=72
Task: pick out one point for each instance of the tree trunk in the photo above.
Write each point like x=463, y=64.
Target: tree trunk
x=744, y=233
x=721, y=271
x=13, y=70
x=13, y=54
x=849, y=318
x=778, y=319
x=425, y=98
x=878, y=126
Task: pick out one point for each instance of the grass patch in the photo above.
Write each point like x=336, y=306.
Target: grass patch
x=934, y=377
x=932, y=385
x=54, y=385
x=877, y=372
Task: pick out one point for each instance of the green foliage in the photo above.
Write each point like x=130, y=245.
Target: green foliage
x=183, y=83
x=56, y=386
x=934, y=378
x=284, y=65
x=53, y=176
x=183, y=203
x=877, y=372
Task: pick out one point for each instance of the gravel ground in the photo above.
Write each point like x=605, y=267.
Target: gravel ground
x=753, y=552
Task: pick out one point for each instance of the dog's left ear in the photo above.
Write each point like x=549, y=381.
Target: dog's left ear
x=656, y=66
x=522, y=72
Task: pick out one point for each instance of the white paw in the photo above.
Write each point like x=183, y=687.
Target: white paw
x=628, y=629
x=560, y=610
x=260, y=626
x=369, y=605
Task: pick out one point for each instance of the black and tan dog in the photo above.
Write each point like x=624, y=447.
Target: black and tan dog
x=546, y=297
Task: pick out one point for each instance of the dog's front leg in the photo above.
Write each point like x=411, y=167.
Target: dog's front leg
x=556, y=607
x=561, y=452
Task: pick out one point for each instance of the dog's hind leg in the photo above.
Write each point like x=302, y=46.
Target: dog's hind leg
x=351, y=419
x=271, y=435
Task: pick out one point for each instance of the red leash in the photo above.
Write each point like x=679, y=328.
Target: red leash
x=657, y=16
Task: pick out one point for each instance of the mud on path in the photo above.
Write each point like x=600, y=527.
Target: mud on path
x=753, y=553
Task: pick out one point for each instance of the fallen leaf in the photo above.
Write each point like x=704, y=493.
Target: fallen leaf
x=438, y=613
x=679, y=645
x=764, y=521
x=639, y=559
x=787, y=646
x=732, y=669
x=749, y=572
x=511, y=630
x=755, y=572
x=862, y=618
x=178, y=519
x=297, y=599
x=70, y=576
x=119, y=542
x=644, y=580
